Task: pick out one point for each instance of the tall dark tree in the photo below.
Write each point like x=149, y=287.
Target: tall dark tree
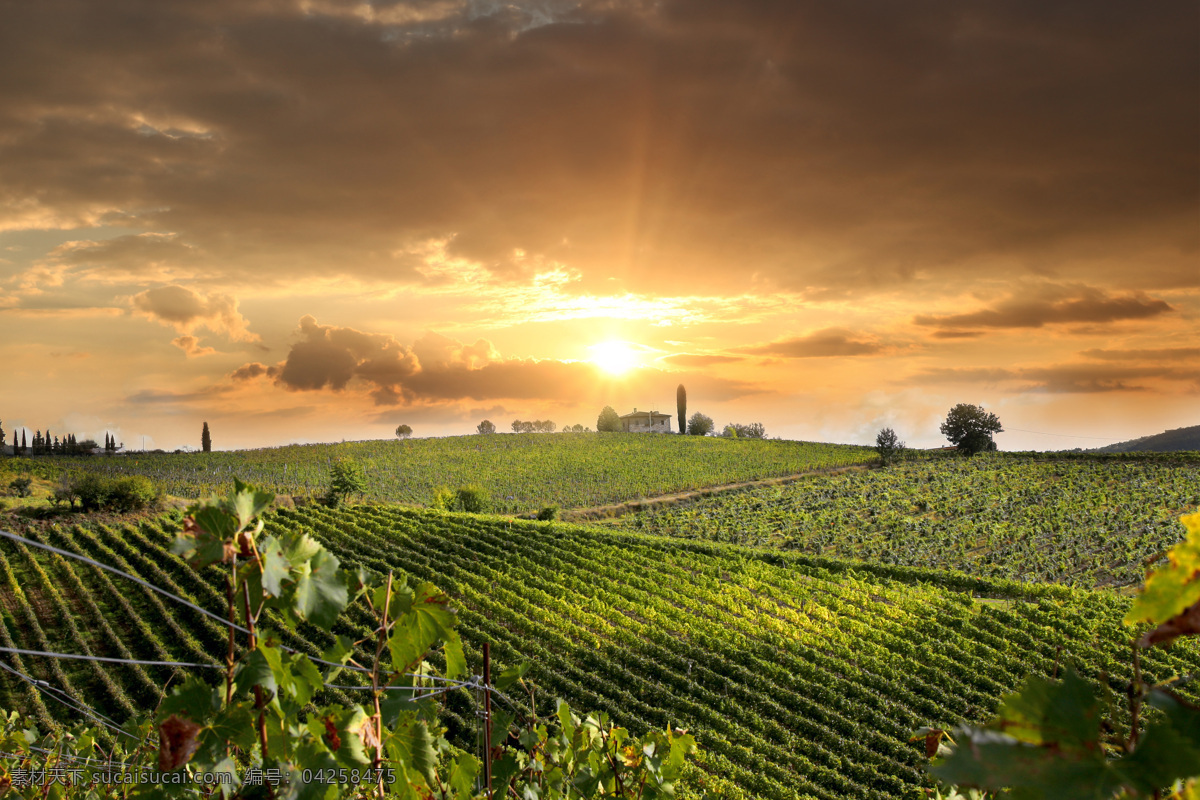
x=2, y=438
x=681, y=407
x=205, y=439
x=24, y=443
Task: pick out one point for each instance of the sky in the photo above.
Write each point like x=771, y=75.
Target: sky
x=314, y=220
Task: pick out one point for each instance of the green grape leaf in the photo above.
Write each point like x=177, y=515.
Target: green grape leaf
x=275, y=567
x=320, y=593
x=306, y=679
x=412, y=745
x=193, y=699
x=428, y=620
x=511, y=675
x=1174, y=588
x=456, y=661
x=248, y=503
x=235, y=724
x=462, y=776
x=993, y=761
x=207, y=537
x=263, y=667
x=1064, y=714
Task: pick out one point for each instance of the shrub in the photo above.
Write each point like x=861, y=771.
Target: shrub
x=889, y=446
x=133, y=493
x=92, y=491
x=548, y=513
x=700, y=425
x=444, y=498
x=20, y=486
x=473, y=498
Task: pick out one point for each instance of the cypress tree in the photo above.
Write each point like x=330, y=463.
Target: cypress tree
x=24, y=442
x=2, y=438
x=205, y=440
x=681, y=406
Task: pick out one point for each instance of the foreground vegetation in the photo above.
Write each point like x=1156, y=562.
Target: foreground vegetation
x=522, y=472
x=258, y=734
x=798, y=676
x=996, y=515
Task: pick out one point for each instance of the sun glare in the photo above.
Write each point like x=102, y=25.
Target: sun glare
x=614, y=357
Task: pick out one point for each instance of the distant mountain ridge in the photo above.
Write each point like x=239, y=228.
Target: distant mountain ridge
x=1165, y=442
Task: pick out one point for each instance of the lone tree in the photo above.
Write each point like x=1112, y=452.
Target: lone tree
x=681, y=406
x=205, y=440
x=971, y=428
x=485, y=427
x=609, y=420
x=346, y=478
x=403, y=431
x=699, y=425
x=888, y=445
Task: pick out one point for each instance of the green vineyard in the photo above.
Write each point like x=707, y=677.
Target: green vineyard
x=522, y=472
x=801, y=677
x=1000, y=515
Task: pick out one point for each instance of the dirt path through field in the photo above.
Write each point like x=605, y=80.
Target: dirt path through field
x=630, y=506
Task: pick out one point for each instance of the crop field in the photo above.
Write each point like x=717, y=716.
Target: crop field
x=801, y=677
x=521, y=471
x=1084, y=522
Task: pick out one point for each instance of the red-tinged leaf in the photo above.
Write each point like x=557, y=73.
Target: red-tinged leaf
x=1184, y=624
x=177, y=742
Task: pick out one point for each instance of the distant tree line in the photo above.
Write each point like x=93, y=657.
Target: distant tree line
x=533, y=426
x=48, y=444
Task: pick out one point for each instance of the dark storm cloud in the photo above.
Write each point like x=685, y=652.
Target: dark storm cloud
x=438, y=368
x=1084, y=306
x=822, y=147
x=828, y=343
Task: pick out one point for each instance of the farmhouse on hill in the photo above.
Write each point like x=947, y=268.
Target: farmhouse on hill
x=646, y=422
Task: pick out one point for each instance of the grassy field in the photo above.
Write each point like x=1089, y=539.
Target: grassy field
x=1080, y=521
x=801, y=677
x=523, y=472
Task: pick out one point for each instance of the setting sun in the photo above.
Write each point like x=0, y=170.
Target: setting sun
x=614, y=357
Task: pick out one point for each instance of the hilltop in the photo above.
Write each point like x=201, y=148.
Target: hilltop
x=1165, y=442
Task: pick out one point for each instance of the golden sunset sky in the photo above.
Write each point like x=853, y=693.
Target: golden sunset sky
x=312, y=220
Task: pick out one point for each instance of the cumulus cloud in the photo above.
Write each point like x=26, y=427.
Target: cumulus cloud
x=191, y=346
x=437, y=368
x=827, y=343
x=187, y=310
x=1087, y=305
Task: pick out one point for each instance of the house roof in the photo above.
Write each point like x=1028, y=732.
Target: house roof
x=643, y=414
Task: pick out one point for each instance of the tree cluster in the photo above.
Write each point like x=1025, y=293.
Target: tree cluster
x=533, y=426
x=736, y=430
x=700, y=425
x=47, y=444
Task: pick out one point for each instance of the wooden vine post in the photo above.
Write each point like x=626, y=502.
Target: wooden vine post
x=487, y=718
